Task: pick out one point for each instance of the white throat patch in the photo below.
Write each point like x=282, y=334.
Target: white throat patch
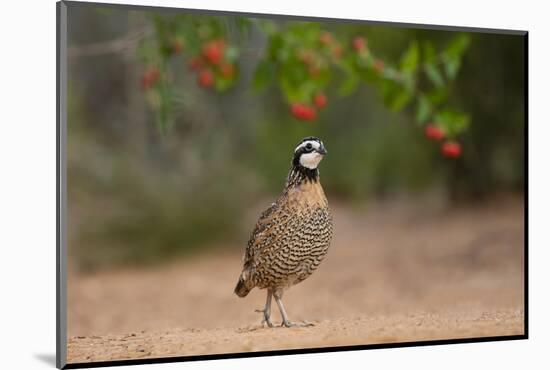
x=310, y=160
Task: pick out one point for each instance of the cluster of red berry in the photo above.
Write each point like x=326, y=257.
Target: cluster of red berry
x=211, y=64
x=450, y=148
x=327, y=40
x=316, y=62
x=359, y=44
x=306, y=111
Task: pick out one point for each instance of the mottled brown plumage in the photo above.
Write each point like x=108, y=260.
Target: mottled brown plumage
x=291, y=237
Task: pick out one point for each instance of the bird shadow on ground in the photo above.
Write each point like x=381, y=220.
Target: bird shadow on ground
x=276, y=326
x=251, y=328
x=47, y=358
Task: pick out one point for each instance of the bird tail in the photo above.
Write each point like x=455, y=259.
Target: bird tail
x=242, y=289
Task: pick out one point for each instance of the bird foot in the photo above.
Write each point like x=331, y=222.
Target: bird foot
x=290, y=324
x=266, y=320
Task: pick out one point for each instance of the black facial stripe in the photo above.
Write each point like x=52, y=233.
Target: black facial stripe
x=303, y=150
x=309, y=138
x=308, y=145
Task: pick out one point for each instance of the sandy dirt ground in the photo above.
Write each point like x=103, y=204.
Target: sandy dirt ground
x=394, y=273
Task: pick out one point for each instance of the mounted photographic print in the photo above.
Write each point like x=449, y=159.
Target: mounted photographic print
x=234, y=185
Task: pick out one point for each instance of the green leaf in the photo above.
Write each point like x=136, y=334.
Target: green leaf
x=451, y=68
x=223, y=84
x=408, y=80
x=434, y=75
x=400, y=100
x=429, y=53
x=308, y=89
x=423, y=109
x=388, y=88
x=363, y=60
x=351, y=80
x=294, y=71
x=453, y=53
x=349, y=85
x=454, y=122
x=437, y=96
x=409, y=60
x=264, y=75
x=457, y=46
x=394, y=95
x=291, y=92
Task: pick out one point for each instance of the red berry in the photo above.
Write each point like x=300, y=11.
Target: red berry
x=297, y=110
x=303, y=112
x=310, y=113
x=433, y=132
x=320, y=100
x=195, y=63
x=378, y=65
x=213, y=51
x=451, y=149
x=227, y=70
x=205, y=78
x=325, y=38
x=150, y=77
x=359, y=44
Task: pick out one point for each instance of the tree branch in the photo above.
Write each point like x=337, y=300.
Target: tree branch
x=125, y=44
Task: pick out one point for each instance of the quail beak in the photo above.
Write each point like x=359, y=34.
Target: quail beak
x=322, y=150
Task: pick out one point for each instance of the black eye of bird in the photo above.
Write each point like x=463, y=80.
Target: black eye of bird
x=308, y=146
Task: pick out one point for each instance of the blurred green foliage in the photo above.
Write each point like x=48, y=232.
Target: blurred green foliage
x=301, y=58
x=139, y=194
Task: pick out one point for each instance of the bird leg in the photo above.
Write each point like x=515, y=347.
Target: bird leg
x=286, y=322
x=267, y=310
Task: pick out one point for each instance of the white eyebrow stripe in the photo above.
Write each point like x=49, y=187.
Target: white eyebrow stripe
x=314, y=143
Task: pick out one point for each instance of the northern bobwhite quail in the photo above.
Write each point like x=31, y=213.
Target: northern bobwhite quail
x=291, y=237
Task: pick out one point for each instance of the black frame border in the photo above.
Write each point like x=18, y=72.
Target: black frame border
x=61, y=189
